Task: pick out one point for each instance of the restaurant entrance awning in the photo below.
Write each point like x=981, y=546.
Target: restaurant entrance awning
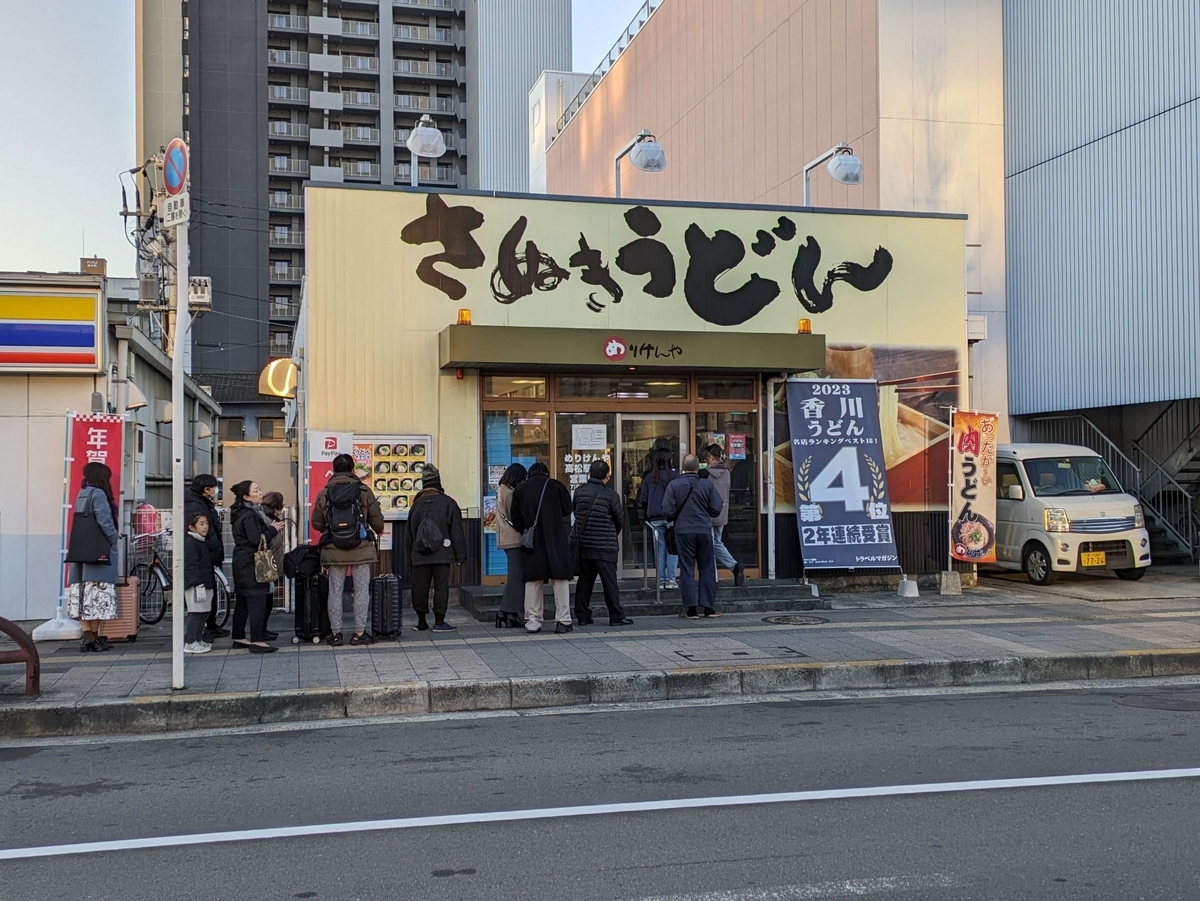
x=518, y=348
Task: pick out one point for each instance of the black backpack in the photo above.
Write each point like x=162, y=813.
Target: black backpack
x=343, y=515
x=429, y=539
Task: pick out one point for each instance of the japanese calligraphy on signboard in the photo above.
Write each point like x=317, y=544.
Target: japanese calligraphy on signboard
x=973, y=487
x=842, y=505
x=94, y=438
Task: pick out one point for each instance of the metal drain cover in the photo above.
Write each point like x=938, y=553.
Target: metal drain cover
x=793, y=619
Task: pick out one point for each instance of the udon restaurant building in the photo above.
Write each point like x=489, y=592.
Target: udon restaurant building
x=475, y=330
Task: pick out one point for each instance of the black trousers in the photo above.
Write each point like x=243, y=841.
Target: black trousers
x=250, y=607
x=607, y=571
x=437, y=575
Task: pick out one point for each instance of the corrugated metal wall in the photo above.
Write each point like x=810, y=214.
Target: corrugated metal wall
x=510, y=43
x=1102, y=111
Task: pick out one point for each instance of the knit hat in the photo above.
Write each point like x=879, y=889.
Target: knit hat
x=430, y=477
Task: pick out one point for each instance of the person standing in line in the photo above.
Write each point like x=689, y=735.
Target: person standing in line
x=199, y=583
x=599, y=519
x=718, y=475
x=92, y=587
x=250, y=525
x=649, y=500
x=347, y=515
x=508, y=539
x=542, y=503
x=691, y=503
x=201, y=497
x=435, y=542
x=273, y=504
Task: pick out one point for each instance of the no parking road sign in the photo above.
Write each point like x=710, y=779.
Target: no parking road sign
x=175, y=208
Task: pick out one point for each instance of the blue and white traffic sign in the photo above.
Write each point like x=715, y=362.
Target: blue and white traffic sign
x=175, y=167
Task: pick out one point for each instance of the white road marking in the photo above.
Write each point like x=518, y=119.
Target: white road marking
x=550, y=813
x=853, y=888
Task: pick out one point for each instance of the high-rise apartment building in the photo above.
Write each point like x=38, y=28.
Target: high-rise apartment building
x=275, y=94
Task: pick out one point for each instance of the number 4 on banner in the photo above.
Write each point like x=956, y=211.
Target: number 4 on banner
x=851, y=493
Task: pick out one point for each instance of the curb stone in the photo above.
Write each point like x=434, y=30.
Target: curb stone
x=174, y=713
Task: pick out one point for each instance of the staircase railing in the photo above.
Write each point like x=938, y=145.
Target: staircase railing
x=1173, y=438
x=1172, y=506
x=1174, y=514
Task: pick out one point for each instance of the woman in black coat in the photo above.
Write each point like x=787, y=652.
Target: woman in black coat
x=599, y=519
x=550, y=557
x=250, y=524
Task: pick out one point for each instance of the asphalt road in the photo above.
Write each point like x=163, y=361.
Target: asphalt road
x=1125, y=840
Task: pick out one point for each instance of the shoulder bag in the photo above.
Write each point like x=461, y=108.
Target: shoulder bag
x=527, y=535
x=88, y=543
x=672, y=541
x=265, y=569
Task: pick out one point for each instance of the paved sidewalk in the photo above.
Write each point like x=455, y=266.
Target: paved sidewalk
x=995, y=621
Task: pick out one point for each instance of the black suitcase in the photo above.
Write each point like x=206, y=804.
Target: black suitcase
x=312, y=612
x=385, y=606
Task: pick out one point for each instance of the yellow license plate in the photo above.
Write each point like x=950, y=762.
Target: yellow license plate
x=1093, y=559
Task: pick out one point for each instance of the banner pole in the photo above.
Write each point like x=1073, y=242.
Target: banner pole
x=950, y=496
x=60, y=628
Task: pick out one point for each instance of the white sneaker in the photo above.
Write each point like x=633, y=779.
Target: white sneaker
x=671, y=585
x=207, y=645
x=197, y=647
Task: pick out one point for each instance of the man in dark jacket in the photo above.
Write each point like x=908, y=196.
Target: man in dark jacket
x=599, y=519
x=691, y=503
x=201, y=497
x=435, y=541
x=550, y=557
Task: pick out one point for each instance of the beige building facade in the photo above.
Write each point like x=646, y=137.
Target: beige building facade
x=743, y=95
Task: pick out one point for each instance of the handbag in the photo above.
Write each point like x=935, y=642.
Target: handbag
x=672, y=541
x=527, y=535
x=265, y=569
x=88, y=543
x=574, y=546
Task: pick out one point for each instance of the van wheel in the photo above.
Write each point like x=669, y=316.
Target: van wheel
x=1037, y=565
x=1131, y=575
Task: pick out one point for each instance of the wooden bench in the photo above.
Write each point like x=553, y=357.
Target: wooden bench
x=26, y=653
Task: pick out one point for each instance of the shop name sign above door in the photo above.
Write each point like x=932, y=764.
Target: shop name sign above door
x=589, y=264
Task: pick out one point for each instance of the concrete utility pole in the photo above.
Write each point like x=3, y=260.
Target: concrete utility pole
x=178, y=446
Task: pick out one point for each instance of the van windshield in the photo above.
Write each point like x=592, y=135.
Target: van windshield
x=1059, y=476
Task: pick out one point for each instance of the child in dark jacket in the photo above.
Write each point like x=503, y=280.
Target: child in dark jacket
x=199, y=584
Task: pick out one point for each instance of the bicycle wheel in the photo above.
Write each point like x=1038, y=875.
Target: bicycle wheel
x=224, y=605
x=152, y=602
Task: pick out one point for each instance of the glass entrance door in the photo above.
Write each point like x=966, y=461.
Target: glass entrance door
x=641, y=438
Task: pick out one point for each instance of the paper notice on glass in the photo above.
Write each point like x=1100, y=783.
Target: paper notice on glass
x=588, y=437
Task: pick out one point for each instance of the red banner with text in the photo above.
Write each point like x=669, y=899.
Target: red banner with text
x=973, y=487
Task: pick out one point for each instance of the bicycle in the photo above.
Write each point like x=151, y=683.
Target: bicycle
x=154, y=581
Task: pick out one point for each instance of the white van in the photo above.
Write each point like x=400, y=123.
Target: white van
x=1059, y=508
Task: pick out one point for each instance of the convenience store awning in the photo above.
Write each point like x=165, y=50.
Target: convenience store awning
x=517, y=348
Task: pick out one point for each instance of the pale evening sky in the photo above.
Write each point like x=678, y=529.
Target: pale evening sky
x=68, y=132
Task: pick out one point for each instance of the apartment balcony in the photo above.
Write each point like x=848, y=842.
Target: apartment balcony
x=360, y=170
x=283, y=130
x=277, y=22
x=279, y=93
x=360, y=134
x=292, y=59
x=290, y=275
x=280, y=344
x=439, y=106
x=422, y=68
x=286, y=202
x=354, y=28
x=423, y=34
x=425, y=4
x=451, y=139
x=287, y=166
x=285, y=312
x=366, y=64
x=284, y=238
x=427, y=175
x=360, y=100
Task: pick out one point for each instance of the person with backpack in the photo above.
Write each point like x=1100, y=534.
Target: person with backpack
x=435, y=542
x=689, y=506
x=347, y=515
x=201, y=497
x=541, y=505
x=599, y=519
x=199, y=583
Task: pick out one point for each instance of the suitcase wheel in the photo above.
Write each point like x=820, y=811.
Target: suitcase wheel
x=295, y=639
x=316, y=639
x=131, y=638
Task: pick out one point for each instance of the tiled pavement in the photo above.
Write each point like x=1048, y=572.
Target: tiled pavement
x=999, y=620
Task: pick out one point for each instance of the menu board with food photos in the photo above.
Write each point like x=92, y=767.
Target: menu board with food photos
x=391, y=465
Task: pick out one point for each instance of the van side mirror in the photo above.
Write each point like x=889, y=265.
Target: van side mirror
x=1016, y=493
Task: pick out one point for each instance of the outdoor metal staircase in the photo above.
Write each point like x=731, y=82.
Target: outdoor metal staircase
x=1170, y=505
